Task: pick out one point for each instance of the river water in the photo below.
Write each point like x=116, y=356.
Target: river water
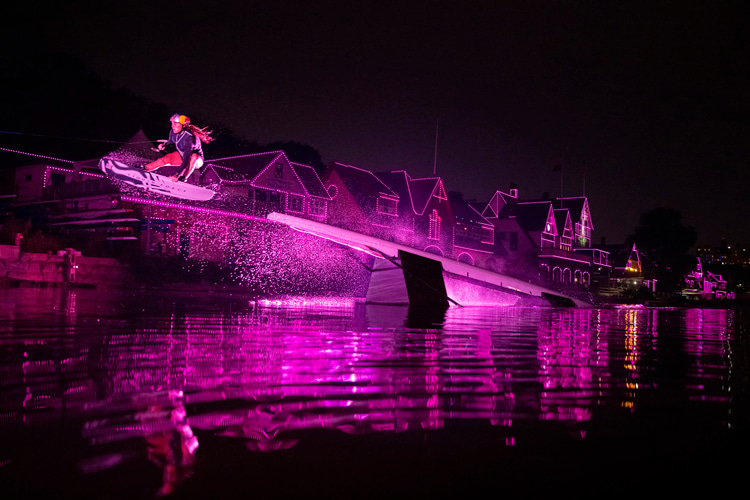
x=137, y=394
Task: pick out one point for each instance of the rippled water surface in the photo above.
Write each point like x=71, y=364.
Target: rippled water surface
x=113, y=394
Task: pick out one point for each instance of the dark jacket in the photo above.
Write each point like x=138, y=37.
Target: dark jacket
x=186, y=144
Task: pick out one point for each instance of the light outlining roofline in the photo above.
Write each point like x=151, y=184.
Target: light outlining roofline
x=36, y=155
x=389, y=190
x=51, y=168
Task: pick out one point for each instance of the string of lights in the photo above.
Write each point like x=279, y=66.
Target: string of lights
x=35, y=155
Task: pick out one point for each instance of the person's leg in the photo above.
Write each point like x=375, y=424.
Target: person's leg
x=195, y=162
x=172, y=158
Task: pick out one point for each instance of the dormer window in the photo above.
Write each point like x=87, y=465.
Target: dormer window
x=565, y=243
x=583, y=235
x=548, y=235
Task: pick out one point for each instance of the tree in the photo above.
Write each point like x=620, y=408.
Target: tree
x=62, y=109
x=663, y=242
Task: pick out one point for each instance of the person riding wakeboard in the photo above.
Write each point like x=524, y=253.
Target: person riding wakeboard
x=185, y=139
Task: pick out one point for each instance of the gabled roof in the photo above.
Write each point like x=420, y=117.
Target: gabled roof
x=465, y=212
x=532, y=216
x=360, y=181
x=494, y=207
x=562, y=221
x=139, y=145
x=244, y=168
x=634, y=260
x=422, y=190
x=138, y=150
x=310, y=181
x=247, y=169
x=225, y=174
x=398, y=181
x=576, y=205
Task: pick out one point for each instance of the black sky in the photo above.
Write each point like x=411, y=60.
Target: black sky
x=645, y=102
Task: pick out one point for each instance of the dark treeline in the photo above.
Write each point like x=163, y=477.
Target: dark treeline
x=664, y=242
x=55, y=106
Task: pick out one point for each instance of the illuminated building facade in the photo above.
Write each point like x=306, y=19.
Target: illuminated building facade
x=269, y=182
x=725, y=254
x=363, y=203
x=546, y=241
x=553, y=234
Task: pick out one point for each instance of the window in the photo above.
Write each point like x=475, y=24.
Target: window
x=57, y=179
x=583, y=235
x=487, y=235
x=297, y=204
x=434, y=233
x=279, y=172
x=514, y=241
x=317, y=207
x=565, y=243
x=387, y=205
x=275, y=197
x=548, y=240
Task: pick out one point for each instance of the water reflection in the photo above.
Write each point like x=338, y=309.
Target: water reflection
x=265, y=372
x=573, y=362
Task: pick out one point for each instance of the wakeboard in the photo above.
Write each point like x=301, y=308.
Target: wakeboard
x=151, y=181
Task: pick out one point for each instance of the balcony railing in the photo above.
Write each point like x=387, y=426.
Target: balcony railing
x=564, y=254
x=598, y=257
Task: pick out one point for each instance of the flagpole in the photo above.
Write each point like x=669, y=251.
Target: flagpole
x=434, y=163
x=561, y=178
x=584, y=178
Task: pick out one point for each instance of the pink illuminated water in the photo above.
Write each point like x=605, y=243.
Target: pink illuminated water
x=123, y=394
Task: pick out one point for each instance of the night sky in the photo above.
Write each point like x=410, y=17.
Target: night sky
x=644, y=103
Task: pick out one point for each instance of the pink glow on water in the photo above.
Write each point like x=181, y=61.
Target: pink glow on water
x=570, y=353
x=263, y=373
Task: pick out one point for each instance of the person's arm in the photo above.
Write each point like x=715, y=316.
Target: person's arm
x=171, y=144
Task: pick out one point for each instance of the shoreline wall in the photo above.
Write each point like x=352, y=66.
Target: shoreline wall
x=49, y=268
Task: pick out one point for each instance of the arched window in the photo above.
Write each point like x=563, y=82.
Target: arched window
x=434, y=226
x=556, y=275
